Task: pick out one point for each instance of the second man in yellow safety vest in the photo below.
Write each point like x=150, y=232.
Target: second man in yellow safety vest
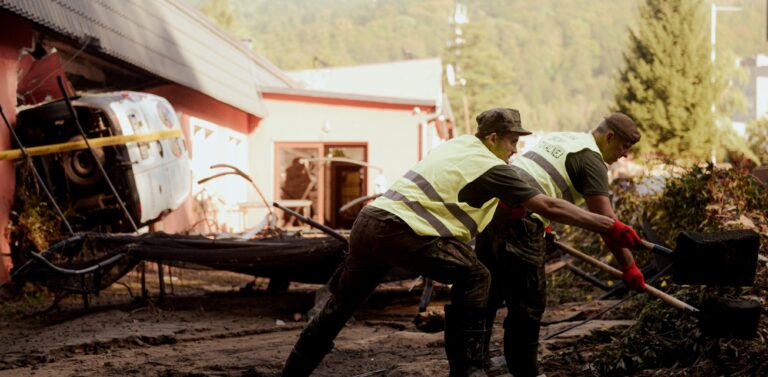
x=566, y=165
x=422, y=224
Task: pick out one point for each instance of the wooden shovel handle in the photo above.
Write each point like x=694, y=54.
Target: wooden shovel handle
x=648, y=288
x=658, y=248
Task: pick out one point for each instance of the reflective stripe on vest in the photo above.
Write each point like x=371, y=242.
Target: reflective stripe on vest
x=426, y=197
x=545, y=164
x=561, y=183
x=432, y=194
x=442, y=231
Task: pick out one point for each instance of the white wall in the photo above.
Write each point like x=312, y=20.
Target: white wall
x=215, y=144
x=391, y=136
x=761, y=97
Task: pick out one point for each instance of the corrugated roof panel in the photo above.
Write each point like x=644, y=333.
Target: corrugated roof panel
x=167, y=38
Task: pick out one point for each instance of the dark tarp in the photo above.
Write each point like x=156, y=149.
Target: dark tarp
x=309, y=260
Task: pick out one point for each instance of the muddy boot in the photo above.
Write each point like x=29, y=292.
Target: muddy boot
x=521, y=349
x=304, y=359
x=489, y=318
x=464, y=340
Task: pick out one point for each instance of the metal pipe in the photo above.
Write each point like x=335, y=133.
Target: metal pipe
x=83, y=271
x=586, y=276
x=325, y=229
x=248, y=178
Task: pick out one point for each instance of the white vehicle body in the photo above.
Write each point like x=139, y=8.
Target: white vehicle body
x=151, y=177
x=160, y=169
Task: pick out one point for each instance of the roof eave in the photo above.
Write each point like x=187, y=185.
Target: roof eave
x=349, y=97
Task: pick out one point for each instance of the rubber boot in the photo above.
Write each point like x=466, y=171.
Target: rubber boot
x=453, y=345
x=521, y=350
x=303, y=360
x=464, y=339
x=489, y=318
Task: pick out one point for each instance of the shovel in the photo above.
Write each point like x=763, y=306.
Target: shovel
x=723, y=318
x=725, y=258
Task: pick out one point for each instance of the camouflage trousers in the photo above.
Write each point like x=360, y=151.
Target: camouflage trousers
x=513, y=250
x=376, y=245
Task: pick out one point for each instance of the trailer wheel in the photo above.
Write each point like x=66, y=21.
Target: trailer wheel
x=80, y=166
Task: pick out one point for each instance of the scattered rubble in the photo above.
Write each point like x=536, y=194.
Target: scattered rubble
x=209, y=326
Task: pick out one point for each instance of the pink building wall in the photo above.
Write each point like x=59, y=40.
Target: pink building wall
x=17, y=34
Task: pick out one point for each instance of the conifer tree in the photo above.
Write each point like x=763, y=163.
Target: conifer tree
x=667, y=84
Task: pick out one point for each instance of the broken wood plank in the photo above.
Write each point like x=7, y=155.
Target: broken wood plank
x=554, y=266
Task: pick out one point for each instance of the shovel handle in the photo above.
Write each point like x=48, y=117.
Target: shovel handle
x=658, y=248
x=648, y=288
x=327, y=230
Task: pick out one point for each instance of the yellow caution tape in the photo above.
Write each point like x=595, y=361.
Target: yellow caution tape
x=95, y=142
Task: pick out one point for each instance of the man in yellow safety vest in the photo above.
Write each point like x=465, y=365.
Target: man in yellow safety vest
x=565, y=165
x=422, y=224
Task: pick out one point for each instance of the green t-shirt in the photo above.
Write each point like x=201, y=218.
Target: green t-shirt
x=588, y=173
x=498, y=182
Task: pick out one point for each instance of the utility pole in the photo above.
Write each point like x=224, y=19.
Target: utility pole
x=453, y=72
x=713, y=26
x=713, y=37
x=467, y=127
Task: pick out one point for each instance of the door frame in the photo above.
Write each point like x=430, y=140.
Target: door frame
x=328, y=171
x=279, y=145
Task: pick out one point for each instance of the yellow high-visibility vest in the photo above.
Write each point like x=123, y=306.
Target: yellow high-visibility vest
x=543, y=167
x=427, y=197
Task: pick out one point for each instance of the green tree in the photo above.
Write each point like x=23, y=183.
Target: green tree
x=221, y=13
x=556, y=61
x=668, y=84
x=487, y=75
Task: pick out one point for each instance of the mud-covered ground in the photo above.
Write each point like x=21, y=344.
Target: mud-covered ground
x=209, y=325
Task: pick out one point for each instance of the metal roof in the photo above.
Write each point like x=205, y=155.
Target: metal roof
x=419, y=78
x=165, y=37
x=414, y=82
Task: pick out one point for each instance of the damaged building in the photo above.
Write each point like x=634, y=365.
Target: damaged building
x=234, y=107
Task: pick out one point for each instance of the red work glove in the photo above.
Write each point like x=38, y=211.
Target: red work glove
x=621, y=235
x=633, y=278
x=516, y=213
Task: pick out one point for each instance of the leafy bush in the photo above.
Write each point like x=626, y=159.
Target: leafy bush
x=664, y=342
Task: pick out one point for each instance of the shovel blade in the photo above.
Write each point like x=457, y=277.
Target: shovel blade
x=727, y=258
x=729, y=318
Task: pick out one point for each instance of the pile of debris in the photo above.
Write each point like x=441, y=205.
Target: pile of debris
x=663, y=341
